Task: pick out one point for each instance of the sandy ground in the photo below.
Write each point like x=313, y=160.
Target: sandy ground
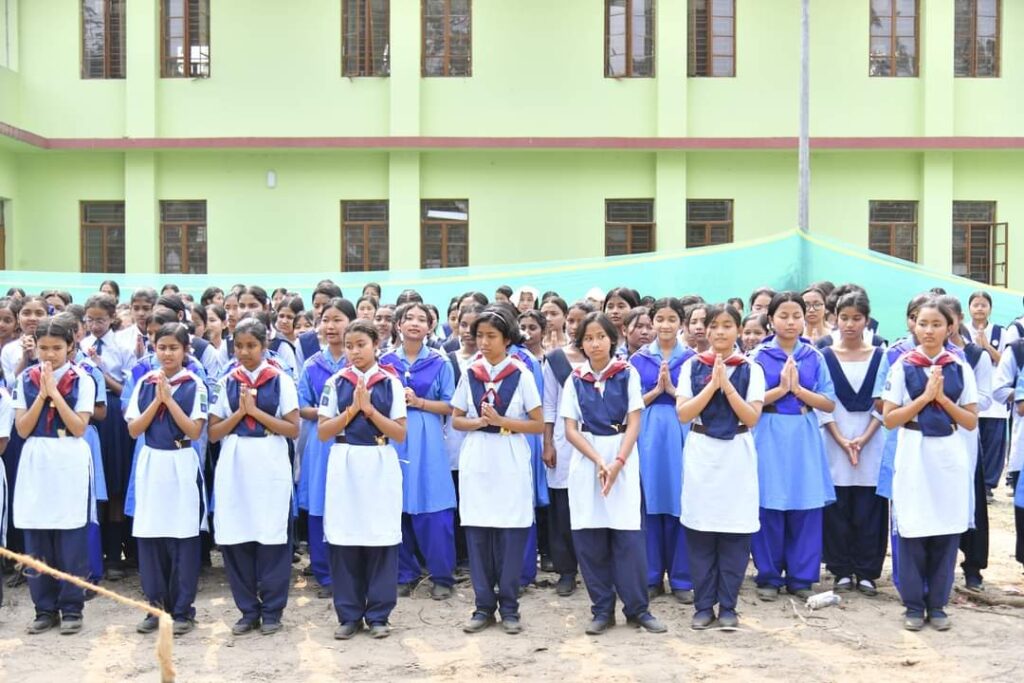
x=859, y=640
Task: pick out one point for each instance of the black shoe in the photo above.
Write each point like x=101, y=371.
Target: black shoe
x=727, y=620
x=867, y=587
x=546, y=565
x=768, y=593
x=989, y=496
x=683, y=596
x=599, y=625
x=511, y=625
x=325, y=592
x=378, y=631
x=70, y=625
x=974, y=583
x=269, y=628
x=913, y=623
x=404, y=590
x=566, y=585
x=702, y=620
x=244, y=626
x=478, y=622
x=148, y=625
x=843, y=584
x=43, y=623
x=114, y=574
x=802, y=593
x=648, y=622
x=183, y=626
x=939, y=620
x=346, y=630
x=655, y=590
x=438, y=592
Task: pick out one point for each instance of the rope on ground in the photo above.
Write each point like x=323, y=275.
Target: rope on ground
x=991, y=598
x=165, y=638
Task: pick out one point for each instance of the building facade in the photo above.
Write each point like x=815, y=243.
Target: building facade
x=325, y=135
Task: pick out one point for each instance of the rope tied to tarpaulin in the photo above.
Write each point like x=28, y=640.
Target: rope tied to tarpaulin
x=165, y=636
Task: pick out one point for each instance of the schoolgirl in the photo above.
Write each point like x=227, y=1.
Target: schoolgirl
x=497, y=403
x=197, y=320
x=168, y=408
x=372, y=289
x=335, y=318
x=366, y=307
x=135, y=337
x=257, y=410
x=285, y=313
x=760, y=299
x=617, y=303
x=6, y=423
x=363, y=413
x=53, y=490
x=212, y=295
x=1018, y=498
x=428, y=507
x=722, y=393
x=601, y=406
x=216, y=329
x=56, y=300
x=8, y=325
x=815, y=325
x=555, y=311
x=503, y=293
x=19, y=354
x=856, y=525
x=303, y=323
x=991, y=420
x=532, y=324
x=557, y=454
x=525, y=298
x=639, y=329
x=929, y=393
x=383, y=320
x=111, y=289
x=694, y=327
x=754, y=330
x=793, y=476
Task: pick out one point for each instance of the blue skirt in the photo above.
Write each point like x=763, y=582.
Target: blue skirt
x=888, y=469
x=540, y=473
x=313, y=480
x=427, y=484
x=792, y=467
x=660, y=446
x=116, y=448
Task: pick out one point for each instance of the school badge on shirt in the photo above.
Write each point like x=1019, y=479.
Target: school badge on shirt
x=325, y=399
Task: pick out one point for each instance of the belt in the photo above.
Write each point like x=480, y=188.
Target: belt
x=615, y=429
x=773, y=408
x=916, y=427
x=701, y=429
x=492, y=429
x=378, y=441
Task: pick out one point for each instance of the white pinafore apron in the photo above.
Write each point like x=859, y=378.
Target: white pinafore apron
x=363, y=501
x=932, y=485
x=169, y=498
x=253, y=490
x=53, y=489
x=588, y=507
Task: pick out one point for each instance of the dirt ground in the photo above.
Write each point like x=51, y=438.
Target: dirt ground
x=860, y=639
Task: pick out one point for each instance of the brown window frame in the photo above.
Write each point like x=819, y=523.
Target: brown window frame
x=365, y=59
x=346, y=224
x=892, y=226
x=185, y=226
x=993, y=264
x=108, y=65
x=972, y=71
x=447, y=56
x=891, y=57
x=629, y=71
x=104, y=229
x=168, y=64
x=445, y=225
x=708, y=226
x=691, y=43
x=630, y=227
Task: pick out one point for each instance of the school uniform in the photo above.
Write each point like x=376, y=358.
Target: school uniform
x=855, y=526
x=6, y=427
x=453, y=444
x=253, y=490
x=99, y=485
x=169, y=494
x=12, y=456
x=607, y=529
x=10, y=356
x=793, y=475
x=556, y=371
x=1018, y=498
x=992, y=422
x=318, y=369
x=115, y=443
x=719, y=497
x=1005, y=379
x=428, y=507
x=363, y=503
x=974, y=541
x=53, y=499
x=932, y=481
x=496, y=482
x=661, y=466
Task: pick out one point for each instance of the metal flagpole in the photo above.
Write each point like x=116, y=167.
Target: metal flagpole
x=803, y=216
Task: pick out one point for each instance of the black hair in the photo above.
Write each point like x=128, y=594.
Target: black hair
x=786, y=297
x=32, y=299
x=364, y=327
x=177, y=330
x=478, y=297
x=251, y=324
x=693, y=309
x=760, y=318
x=668, y=302
x=283, y=291
x=504, y=289
x=171, y=286
x=408, y=295
x=759, y=292
x=688, y=300
x=635, y=313
x=953, y=304
x=104, y=302
x=375, y=286
x=824, y=286
x=733, y=300
x=371, y=299
x=16, y=292
x=209, y=294
x=256, y=292
x=262, y=316
x=162, y=316
x=11, y=304
x=536, y=316
x=728, y=309
x=59, y=293
x=470, y=309
x=402, y=310
x=815, y=290
x=199, y=310
x=328, y=289
x=453, y=304
x=856, y=300
x=218, y=311
x=293, y=303
x=980, y=294
x=556, y=300
x=942, y=307
x=173, y=302
x=62, y=329
x=582, y=305
x=839, y=292
x=146, y=294
x=343, y=306
x=502, y=319
x=914, y=305
x=305, y=315
x=609, y=329
x=550, y=294
x=77, y=310
x=434, y=314
x=937, y=291
x=628, y=295
x=114, y=286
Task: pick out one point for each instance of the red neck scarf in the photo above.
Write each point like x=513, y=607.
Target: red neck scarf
x=64, y=385
x=612, y=369
x=708, y=358
x=919, y=360
x=382, y=373
x=267, y=374
x=155, y=379
x=482, y=374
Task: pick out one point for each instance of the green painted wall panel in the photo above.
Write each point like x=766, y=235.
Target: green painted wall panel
x=10, y=97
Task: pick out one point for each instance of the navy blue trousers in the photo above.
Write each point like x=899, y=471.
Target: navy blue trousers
x=318, y=560
x=992, y=450
x=365, y=582
x=974, y=542
x=95, y=552
x=789, y=542
x=563, y=552
x=461, y=554
x=926, y=570
x=496, y=559
x=169, y=570
x=718, y=562
x=430, y=536
x=1018, y=520
x=613, y=562
x=856, y=533
x=259, y=576
x=529, y=572
x=63, y=549
x=666, y=552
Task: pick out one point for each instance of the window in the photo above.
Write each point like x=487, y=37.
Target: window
x=185, y=39
x=628, y=226
x=103, y=38
x=183, y=237
x=447, y=38
x=976, y=38
x=894, y=26
x=979, y=243
x=444, y=233
x=629, y=38
x=102, y=246
x=712, y=38
x=892, y=229
x=364, y=235
x=365, y=38
x=708, y=222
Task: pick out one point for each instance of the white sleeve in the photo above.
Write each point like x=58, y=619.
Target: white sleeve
x=755, y=387
x=684, y=384
x=133, y=412
x=894, y=384
x=18, y=398
x=983, y=376
x=328, y=400
x=528, y=391
x=201, y=405
x=636, y=392
x=970, y=393
x=289, y=399
x=550, y=394
x=221, y=407
x=86, y=401
x=6, y=415
x=460, y=399
x=398, y=407
x=570, y=408
x=9, y=357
